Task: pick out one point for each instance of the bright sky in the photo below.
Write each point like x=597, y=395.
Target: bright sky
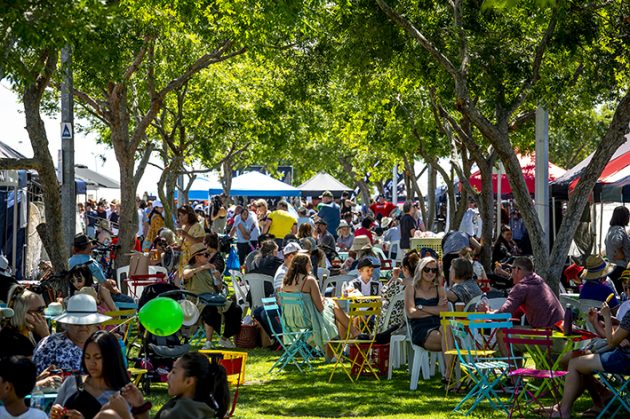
x=87, y=151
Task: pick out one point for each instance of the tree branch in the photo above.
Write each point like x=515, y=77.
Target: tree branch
x=418, y=36
x=146, y=155
x=88, y=100
x=148, y=41
x=19, y=164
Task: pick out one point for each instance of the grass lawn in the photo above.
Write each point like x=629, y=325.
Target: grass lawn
x=292, y=394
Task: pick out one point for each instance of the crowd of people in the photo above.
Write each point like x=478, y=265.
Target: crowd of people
x=291, y=245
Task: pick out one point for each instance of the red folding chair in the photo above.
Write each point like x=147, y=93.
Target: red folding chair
x=136, y=281
x=538, y=343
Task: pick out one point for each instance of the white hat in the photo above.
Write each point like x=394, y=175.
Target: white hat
x=291, y=247
x=6, y=313
x=82, y=311
x=191, y=312
x=157, y=203
x=54, y=309
x=385, y=222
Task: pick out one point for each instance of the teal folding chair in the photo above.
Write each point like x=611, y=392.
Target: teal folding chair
x=293, y=344
x=618, y=385
x=485, y=373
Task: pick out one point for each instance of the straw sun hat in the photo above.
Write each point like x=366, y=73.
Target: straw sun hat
x=361, y=243
x=596, y=267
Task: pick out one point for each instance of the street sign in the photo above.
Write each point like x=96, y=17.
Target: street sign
x=66, y=130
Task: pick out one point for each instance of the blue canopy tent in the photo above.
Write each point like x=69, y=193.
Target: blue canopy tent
x=258, y=184
x=199, y=191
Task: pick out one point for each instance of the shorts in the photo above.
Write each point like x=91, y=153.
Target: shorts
x=616, y=361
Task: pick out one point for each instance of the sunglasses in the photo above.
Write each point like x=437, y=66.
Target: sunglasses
x=427, y=270
x=206, y=254
x=39, y=310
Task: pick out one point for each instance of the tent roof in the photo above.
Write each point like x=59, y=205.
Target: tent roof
x=258, y=184
x=528, y=166
x=7, y=152
x=322, y=182
x=613, y=184
x=92, y=177
x=201, y=186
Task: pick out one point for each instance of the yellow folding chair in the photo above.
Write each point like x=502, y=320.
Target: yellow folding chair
x=446, y=317
x=364, y=313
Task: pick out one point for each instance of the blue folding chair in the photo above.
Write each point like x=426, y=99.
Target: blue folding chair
x=618, y=385
x=485, y=373
x=293, y=343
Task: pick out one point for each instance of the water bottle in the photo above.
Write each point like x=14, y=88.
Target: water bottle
x=38, y=400
x=568, y=320
x=483, y=302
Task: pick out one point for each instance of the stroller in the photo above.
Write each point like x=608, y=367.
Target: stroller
x=158, y=353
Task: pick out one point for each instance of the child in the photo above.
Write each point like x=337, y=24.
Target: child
x=82, y=280
x=17, y=379
x=197, y=386
x=365, y=283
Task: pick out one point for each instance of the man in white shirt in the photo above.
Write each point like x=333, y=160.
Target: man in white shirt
x=289, y=252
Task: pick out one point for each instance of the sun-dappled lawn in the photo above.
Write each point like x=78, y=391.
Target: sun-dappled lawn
x=292, y=394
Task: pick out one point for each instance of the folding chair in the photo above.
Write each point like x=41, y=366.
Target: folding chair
x=136, y=283
x=336, y=282
x=538, y=343
x=618, y=386
x=363, y=313
x=293, y=343
x=234, y=364
x=240, y=290
x=485, y=373
x=397, y=343
x=423, y=361
x=479, y=350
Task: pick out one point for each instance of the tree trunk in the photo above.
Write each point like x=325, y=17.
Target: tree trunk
x=57, y=250
x=411, y=171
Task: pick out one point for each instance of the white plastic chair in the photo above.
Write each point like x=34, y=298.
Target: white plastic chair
x=397, y=343
x=122, y=273
x=422, y=361
x=257, y=287
x=240, y=291
x=336, y=281
x=394, y=247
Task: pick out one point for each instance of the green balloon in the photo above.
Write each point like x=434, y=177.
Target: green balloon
x=161, y=316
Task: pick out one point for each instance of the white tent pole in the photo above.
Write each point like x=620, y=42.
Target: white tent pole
x=542, y=171
x=601, y=225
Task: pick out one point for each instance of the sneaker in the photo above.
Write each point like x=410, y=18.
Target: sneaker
x=226, y=343
x=207, y=345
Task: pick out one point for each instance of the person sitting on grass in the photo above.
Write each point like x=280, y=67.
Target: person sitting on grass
x=103, y=364
x=613, y=359
x=198, y=388
x=17, y=379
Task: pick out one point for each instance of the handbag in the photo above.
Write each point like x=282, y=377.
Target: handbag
x=232, y=263
x=83, y=401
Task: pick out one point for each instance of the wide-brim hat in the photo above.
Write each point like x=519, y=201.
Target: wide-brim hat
x=343, y=224
x=385, y=222
x=327, y=194
x=81, y=310
x=361, y=243
x=596, y=267
x=81, y=240
x=195, y=249
x=191, y=312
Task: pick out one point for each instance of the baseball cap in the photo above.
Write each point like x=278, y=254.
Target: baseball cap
x=291, y=247
x=365, y=263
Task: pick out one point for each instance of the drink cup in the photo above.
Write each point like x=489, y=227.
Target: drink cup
x=459, y=306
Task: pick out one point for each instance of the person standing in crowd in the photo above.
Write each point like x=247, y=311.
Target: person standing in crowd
x=156, y=222
x=330, y=211
x=471, y=221
x=218, y=215
x=114, y=208
x=246, y=229
x=618, y=243
x=281, y=222
x=346, y=204
x=325, y=240
x=407, y=226
x=90, y=219
x=382, y=208
x=304, y=218
x=189, y=232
